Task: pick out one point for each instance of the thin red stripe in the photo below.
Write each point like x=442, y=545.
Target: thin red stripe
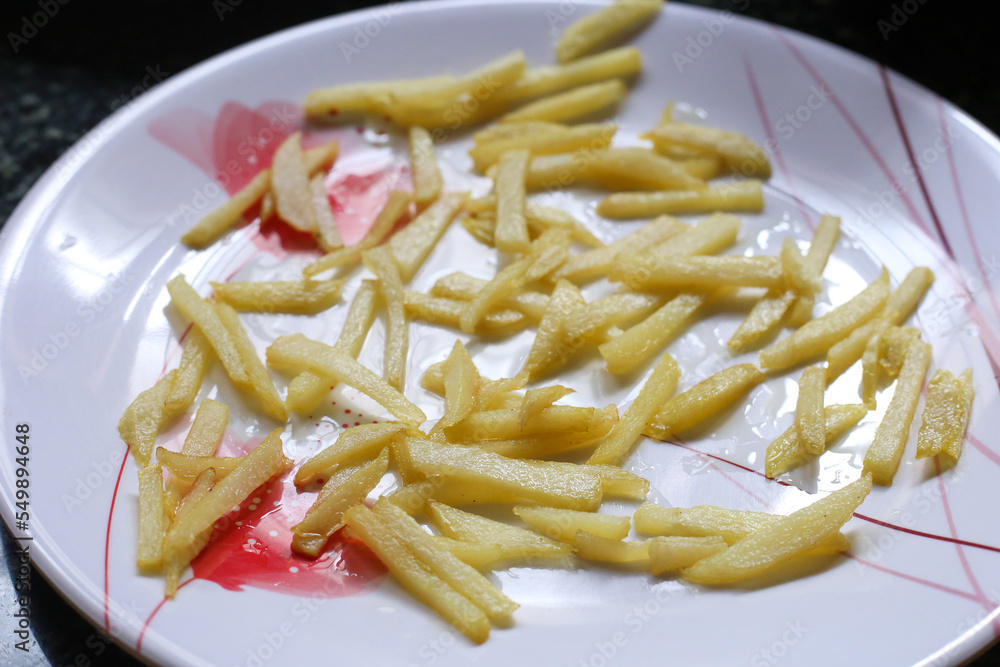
x=107, y=543
x=910, y=577
x=149, y=619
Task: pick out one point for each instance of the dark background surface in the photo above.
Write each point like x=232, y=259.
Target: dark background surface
x=91, y=53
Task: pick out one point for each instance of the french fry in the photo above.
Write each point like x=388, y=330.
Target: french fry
x=554, y=483
x=810, y=417
x=639, y=343
x=511, y=130
x=550, y=350
x=508, y=280
x=712, y=521
x=711, y=235
x=603, y=549
x=397, y=341
x=506, y=424
x=870, y=361
x=206, y=432
x=463, y=578
x=548, y=252
x=654, y=392
x=739, y=153
x=417, y=577
x=547, y=445
x=427, y=181
x=571, y=104
x=745, y=196
x=293, y=197
x=541, y=217
x=702, y=401
x=411, y=246
x=327, y=231
x=621, y=483
x=187, y=467
x=152, y=518
x=195, y=360
x=511, y=542
x=480, y=228
x=696, y=272
x=883, y=456
x=345, y=489
x=817, y=336
x=366, y=97
x=595, y=31
x=595, y=263
x=894, y=343
x=305, y=391
x=616, y=309
x=511, y=231
x=946, y=415
x=461, y=385
x=359, y=319
x=782, y=539
x=176, y=561
x=297, y=353
x=144, y=417
x=462, y=286
x=796, y=269
x=562, y=525
x=560, y=139
x=669, y=554
x=204, y=316
x=214, y=226
x=622, y=62
x=259, y=382
x=499, y=72
x=395, y=206
x=255, y=468
x=560, y=170
x=767, y=314
x=412, y=497
x=298, y=297
x=898, y=307
x=786, y=453
x=636, y=168
x=538, y=399
x=354, y=444
x=449, y=312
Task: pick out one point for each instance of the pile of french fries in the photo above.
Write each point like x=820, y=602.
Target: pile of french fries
x=497, y=440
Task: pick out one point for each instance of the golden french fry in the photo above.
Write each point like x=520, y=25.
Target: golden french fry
x=786, y=453
x=870, y=360
x=449, y=312
x=462, y=577
x=499, y=72
x=509, y=131
x=635, y=168
x=817, y=336
x=214, y=225
x=898, y=307
x=634, y=347
x=594, y=547
x=462, y=286
x=415, y=576
x=508, y=280
x=204, y=316
x=152, y=518
x=883, y=456
x=395, y=206
x=550, y=350
x=297, y=353
x=595, y=31
x=259, y=382
x=305, y=391
x=144, y=417
x=293, y=197
x=538, y=399
x=702, y=401
x=411, y=246
x=669, y=554
x=571, y=104
x=810, y=417
x=299, y=297
x=628, y=430
x=548, y=252
x=558, y=484
x=427, y=181
x=622, y=62
x=509, y=542
x=461, y=385
x=563, y=525
x=195, y=359
x=359, y=319
x=327, y=231
x=505, y=424
x=712, y=234
x=616, y=309
x=367, y=97
x=782, y=539
x=541, y=217
x=511, y=231
x=739, y=196
x=560, y=139
x=480, y=228
x=739, y=153
x=946, y=415
x=551, y=444
x=345, y=489
x=795, y=267
x=694, y=272
x=175, y=561
x=187, y=467
x=397, y=340
x=596, y=263
x=352, y=445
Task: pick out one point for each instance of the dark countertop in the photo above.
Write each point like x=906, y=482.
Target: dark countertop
x=62, y=81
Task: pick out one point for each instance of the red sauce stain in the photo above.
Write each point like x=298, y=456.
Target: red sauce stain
x=359, y=188
x=252, y=545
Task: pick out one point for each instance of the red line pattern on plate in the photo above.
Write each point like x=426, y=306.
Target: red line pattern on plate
x=149, y=619
x=910, y=577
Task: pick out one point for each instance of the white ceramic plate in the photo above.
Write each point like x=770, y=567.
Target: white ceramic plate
x=86, y=255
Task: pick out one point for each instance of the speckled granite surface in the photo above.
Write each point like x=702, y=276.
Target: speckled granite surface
x=91, y=55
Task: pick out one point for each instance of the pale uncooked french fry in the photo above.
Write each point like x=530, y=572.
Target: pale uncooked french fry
x=203, y=314
x=786, y=453
x=461, y=385
x=144, y=417
x=595, y=263
x=411, y=246
x=462, y=286
x=214, y=225
x=259, y=381
x=365, y=97
x=634, y=347
x=694, y=272
x=397, y=341
x=511, y=231
x=739, y=153
x=622, y=62
x=571, y=104
x=152, y=518
x=299, y=297
x=702, y=401
x=352, y=445
x=810, y=417
x=550, y=349
x=508, y=280
x=427, y=181
x=635, y=168
x=709, y=236
x=195, y=360
x=449, y=312
x=669, y=554
x=597, y=30
x=560, y=139
x=745, y=196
